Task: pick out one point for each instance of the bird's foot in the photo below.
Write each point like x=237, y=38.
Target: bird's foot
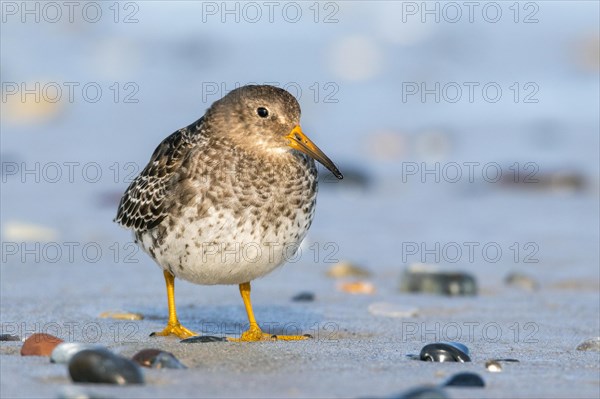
x=254, y=334
x=174, y=329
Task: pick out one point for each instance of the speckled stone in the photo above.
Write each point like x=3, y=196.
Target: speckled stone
x=522, y=281
x=590, y=345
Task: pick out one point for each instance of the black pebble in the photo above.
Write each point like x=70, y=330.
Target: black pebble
x=304, y=296
x=145, y=357
x=424, y=392
x=202, y=339
x=101, y=366
x=9, y=337
x=166, y=360
x=445, y=352
x=157, y=359
x=438, y=282
x=465, y=380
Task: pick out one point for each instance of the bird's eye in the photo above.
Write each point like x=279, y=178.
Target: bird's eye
x=262, y=112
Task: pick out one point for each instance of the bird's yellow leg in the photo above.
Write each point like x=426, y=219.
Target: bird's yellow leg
x=254, y=333
x=173, y=327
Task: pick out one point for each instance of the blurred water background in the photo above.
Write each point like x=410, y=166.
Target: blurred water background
x=385, y=89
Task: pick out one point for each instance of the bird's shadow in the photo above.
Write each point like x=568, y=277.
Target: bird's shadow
x=292, y=319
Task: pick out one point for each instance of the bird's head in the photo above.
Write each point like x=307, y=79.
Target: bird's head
x=265, y=118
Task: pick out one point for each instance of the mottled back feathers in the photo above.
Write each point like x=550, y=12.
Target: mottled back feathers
x=145, y=202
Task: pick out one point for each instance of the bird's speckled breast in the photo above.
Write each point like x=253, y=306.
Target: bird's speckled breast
x=253, y=214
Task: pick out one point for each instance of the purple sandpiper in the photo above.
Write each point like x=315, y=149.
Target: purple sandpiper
x=228, y=198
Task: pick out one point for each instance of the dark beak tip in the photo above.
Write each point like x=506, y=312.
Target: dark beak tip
x=337, y=173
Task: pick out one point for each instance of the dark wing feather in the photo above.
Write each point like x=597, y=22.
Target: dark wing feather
x=145, y=202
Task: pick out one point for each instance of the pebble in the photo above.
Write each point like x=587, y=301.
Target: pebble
x=19, y=231
x=74, y=392
x=119, y=315
x=203, y=339
x=493, y=366
x=357, y=287
x=166, y=360
x=465, y=379
x=9, y=337
x=391, y=310
x=423, y=392
x=157, y=359
x=102, y=366
x=63, y=353
x=423, y=278
x=25, y=110
x=39, y=344
x=347, y=269
x=522, y=281
x=145, y=357
x=560, y=181
x=590, y=345
x=304, y=296
x=445, y=352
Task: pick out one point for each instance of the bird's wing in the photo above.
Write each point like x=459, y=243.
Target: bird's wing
x=145, y=202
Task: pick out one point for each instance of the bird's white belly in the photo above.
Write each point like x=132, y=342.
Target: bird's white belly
x=219, y=249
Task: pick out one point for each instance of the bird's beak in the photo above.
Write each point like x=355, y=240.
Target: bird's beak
x=300, y=142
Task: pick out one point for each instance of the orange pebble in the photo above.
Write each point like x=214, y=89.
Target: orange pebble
x=40, y=344
x=357, y=287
